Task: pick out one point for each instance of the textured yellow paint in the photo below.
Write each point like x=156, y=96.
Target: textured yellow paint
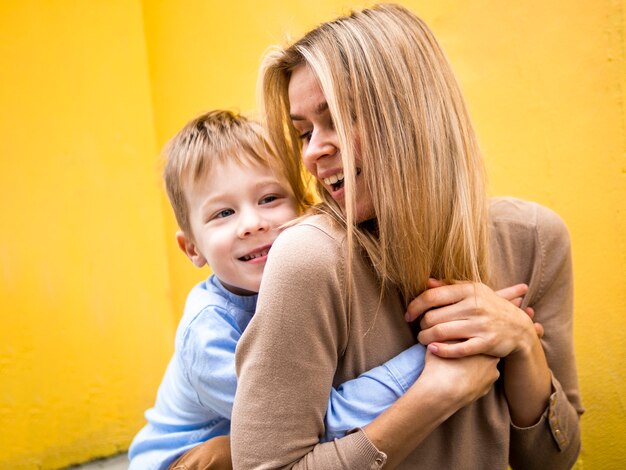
x=90, y=92
x=86, y=315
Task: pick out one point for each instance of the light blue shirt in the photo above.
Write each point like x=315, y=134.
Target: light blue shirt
x=195, y=399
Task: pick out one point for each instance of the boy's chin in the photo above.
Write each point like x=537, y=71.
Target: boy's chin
x=250, y=289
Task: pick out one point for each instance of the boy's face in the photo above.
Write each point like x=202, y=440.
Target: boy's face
x=234, y=213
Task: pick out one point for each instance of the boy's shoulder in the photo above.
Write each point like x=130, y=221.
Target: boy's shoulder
x=210, y=305
x=204, y=294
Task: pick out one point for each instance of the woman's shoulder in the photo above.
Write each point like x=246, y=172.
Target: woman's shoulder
x=525, y=239
x=314, y=243
x=310, y=235
x=519, y=217
x=321, y=225
x=305, y=262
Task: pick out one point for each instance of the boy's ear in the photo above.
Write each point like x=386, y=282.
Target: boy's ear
x=189, y=248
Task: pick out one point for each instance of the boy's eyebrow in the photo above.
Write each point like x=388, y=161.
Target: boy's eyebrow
x=319, y=109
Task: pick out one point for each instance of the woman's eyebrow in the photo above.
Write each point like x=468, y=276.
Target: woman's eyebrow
x=319, y=109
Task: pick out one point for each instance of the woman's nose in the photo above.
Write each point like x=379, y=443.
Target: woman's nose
x=322, y=144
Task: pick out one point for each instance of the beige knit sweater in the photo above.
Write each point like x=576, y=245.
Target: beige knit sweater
x=301, y=342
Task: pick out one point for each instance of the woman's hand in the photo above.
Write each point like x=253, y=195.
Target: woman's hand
x=462, y=380
x=514, y=294
x=477, y=319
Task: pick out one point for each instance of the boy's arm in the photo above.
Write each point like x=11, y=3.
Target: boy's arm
x=357, y=402
x=209, y=356
x=354, y=404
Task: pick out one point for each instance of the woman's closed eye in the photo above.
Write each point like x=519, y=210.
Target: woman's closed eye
x=305, y=137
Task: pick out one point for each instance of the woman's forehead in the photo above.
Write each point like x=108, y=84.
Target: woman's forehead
x=305, y=94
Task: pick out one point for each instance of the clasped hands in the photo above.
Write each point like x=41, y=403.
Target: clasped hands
x=464, y=319
x=467, y=328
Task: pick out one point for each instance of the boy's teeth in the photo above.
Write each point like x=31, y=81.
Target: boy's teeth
x=255, y=255
x=333, y=179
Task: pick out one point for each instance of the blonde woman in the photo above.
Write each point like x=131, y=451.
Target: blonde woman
x=370, y=107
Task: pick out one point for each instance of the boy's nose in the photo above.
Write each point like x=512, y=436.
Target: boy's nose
x=252, y=222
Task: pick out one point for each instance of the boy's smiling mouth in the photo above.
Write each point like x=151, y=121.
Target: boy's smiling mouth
x=256, y=254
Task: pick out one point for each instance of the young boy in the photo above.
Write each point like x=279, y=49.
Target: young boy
x=230, y=200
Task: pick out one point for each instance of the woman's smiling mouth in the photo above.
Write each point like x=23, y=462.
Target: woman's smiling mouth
x=336, y=181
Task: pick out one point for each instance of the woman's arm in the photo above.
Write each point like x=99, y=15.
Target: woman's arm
x=544, y=418
x=554, y=440
x=358, y=402
x=286, y=362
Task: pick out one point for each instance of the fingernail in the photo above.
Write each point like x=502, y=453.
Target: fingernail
x=407, y=317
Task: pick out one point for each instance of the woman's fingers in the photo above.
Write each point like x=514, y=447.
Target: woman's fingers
x=439, y=294
x=437, y=297
x=432, y=283
x=448, y=331
x=454, y=350
x=512, y=292
x=477, y=319
x=538, y=326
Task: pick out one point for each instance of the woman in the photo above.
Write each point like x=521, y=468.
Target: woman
x=369, y=105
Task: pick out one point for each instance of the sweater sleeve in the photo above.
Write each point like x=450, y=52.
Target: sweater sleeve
x=287, y=358
x=553, y=442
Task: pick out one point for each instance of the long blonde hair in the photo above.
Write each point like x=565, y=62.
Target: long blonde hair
x=387, y=81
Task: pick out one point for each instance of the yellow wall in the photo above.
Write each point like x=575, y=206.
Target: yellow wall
x=92, y=282
x=84, y=291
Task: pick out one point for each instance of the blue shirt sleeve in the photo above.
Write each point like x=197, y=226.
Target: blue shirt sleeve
x=359, y=401
x=210, y=368
x=209, y=359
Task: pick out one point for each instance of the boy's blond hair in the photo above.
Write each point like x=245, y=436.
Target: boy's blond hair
x=387, y=81
x=214, y=138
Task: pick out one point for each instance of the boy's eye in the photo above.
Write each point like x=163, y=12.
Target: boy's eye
x=268, y=199
x=223, y=213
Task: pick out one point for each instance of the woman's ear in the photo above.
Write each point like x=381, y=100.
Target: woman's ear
x=189, y=248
